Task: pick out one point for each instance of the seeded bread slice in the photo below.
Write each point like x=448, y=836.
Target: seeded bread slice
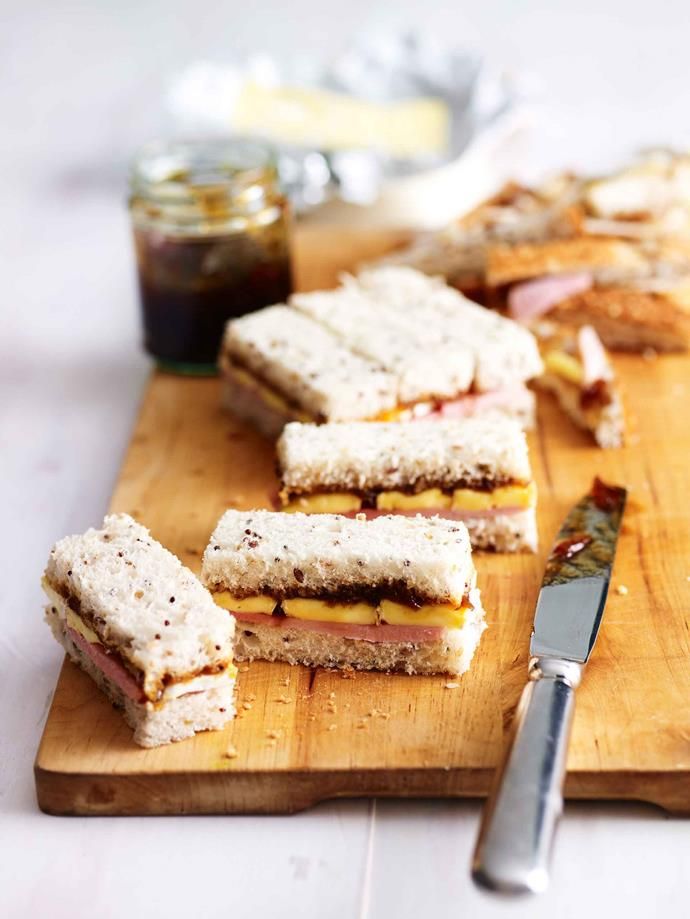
x=309, y=365
x=254, y=552
x=505, y=353
x=388, y=456
x=141, y=602
x=452, y=653
x=377, y=332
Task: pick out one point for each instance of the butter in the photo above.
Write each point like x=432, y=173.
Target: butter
x=258, y=604
x=318, y=611
x=398, y=500
x=565, y=366
x=326, y=503
x=431, y=615
x=466, y=499
x=336, y=121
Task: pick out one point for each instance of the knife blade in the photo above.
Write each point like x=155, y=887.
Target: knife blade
x=521, y=814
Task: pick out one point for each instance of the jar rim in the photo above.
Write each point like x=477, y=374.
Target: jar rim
x=173, y=168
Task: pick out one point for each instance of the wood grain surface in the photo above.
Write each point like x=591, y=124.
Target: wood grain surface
x=303, y=735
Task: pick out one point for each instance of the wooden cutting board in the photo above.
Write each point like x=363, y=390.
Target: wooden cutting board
x=303, y=735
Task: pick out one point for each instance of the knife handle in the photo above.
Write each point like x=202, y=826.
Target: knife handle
x=520, y=817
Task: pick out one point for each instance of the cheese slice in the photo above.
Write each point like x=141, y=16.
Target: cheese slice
x=319, y=611
x=565, y=366
x=430, y=615
x=466, y=499
x=77, y=623
x=399, y=500
x=261, y=603
x=462, y=499
x=324, y=503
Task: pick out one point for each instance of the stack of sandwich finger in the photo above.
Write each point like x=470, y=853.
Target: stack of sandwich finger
x=609, y=254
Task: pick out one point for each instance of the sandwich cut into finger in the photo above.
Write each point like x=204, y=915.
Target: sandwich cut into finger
x=144, y=629
x=394, y=593
x=476, y=470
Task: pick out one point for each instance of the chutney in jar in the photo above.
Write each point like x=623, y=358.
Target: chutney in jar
x=211, y=234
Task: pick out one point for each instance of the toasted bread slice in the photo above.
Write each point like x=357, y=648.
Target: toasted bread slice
x=631, y=320
x=506, y=264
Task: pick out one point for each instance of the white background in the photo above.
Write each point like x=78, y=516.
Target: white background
x=80, y=85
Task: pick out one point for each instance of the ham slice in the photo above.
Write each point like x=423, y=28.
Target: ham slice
x=531, y=299
x=372, y=512
x=595, y=362
x=516, y=398
x=374, y=633
x=109, y=665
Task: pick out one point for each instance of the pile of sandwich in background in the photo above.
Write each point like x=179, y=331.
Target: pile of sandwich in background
x=400, y=407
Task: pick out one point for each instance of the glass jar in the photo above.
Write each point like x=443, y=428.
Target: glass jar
x=211, y=235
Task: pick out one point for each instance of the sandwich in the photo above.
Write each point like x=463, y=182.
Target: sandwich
x=611, y=252
x=144, y=629
x=475, y=470
x=516, y=213
x=390, y=346
x=278, y=366
x=636, y=294
x=394, y=594
x=577, y=370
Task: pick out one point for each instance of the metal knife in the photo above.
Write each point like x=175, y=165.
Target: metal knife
x=519, y=821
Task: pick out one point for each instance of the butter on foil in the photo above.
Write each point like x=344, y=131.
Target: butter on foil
x=389, y=107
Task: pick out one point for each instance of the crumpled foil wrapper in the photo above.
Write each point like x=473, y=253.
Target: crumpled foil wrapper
x=379, y=68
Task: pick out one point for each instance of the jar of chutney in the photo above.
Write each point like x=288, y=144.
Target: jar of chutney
x=211, y=234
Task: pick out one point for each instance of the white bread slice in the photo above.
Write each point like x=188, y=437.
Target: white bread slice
x=381, y=334
x=308, y=365
x=153, y=725
x=254, y=552
x=386, y=456
x=141, y=602
x=505, y=353
x=505, y=532
x=451, y=654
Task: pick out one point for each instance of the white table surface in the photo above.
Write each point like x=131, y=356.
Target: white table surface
x=81, y=85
